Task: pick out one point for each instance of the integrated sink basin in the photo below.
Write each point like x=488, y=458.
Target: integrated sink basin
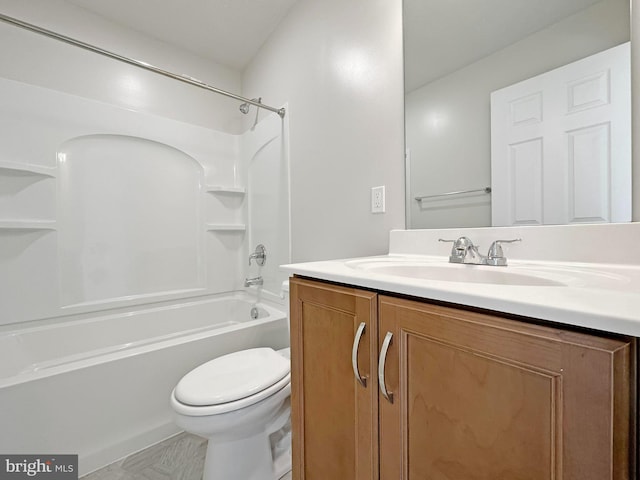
x=517, y=275
x=466, y=274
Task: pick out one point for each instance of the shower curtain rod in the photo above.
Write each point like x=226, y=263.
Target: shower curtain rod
x=136, y=63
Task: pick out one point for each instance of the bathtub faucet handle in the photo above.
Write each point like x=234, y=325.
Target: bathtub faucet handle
x=260, y=255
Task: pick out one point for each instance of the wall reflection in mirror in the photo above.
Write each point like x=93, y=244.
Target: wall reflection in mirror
x=549, y=170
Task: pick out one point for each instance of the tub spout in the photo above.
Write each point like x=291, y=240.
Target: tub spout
x=253, y=281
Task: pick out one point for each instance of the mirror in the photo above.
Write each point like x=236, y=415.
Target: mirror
x=451, y=72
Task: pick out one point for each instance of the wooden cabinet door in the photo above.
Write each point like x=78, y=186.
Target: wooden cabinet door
x=334, y=417
x=486, y=398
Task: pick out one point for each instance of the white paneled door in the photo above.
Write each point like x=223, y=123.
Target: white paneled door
x=561, y=144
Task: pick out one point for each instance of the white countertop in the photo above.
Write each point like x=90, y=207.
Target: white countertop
x=604, y=297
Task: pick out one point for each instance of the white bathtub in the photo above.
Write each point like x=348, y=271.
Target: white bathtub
x=99, y=387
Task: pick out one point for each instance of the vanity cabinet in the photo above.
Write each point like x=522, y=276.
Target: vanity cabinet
x=470, y=395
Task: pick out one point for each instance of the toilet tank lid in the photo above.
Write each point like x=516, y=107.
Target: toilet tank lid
x=231, y=377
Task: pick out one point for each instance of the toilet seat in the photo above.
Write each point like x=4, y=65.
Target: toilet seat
x=201, y=411
x=231, y=382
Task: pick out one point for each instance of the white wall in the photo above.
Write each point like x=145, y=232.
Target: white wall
x=339, y=66
x=26, y=56
x=448, y=120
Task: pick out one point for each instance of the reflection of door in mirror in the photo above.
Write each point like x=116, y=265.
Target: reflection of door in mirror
x=561, y=144
x=452, y=64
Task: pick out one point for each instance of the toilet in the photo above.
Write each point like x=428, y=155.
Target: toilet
x=240, y=402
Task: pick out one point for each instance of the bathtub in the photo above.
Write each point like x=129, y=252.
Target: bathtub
x=99, y=387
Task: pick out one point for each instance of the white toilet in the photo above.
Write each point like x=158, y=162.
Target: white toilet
x=240, y=403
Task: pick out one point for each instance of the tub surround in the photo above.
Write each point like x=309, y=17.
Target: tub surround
x=97, y=254
x=591, y=273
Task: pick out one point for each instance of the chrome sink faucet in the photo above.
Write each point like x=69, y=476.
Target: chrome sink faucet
x=464, y=251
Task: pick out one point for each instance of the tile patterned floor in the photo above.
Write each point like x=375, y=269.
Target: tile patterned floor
x=177, y=458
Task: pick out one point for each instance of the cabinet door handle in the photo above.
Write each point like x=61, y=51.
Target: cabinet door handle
x=381, y=363
x=354, y=355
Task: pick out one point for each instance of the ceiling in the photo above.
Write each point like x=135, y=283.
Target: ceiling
x=443, y=36
x=440, y=36
x=229, y=32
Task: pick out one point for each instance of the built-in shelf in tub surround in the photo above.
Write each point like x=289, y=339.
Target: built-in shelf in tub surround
x=225, y=189
x=27, y=225
x=227, y=227
x=21, y=169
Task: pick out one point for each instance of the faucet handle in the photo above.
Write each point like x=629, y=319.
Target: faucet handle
x=495, y=256
x=448, y=241
x=460, y=248
x=260, y=255
x=460, y=243
x=454, y=256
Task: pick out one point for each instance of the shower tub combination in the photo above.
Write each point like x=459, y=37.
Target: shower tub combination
x=99, y=387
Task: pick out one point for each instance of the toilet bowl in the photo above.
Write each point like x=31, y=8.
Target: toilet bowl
x=240, y=402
